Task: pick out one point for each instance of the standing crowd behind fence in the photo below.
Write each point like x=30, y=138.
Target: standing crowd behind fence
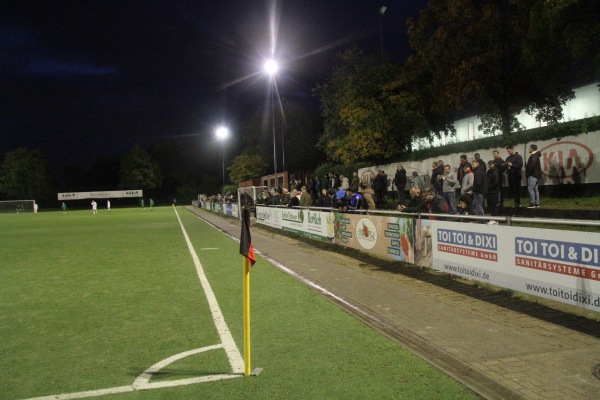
x=473, y=187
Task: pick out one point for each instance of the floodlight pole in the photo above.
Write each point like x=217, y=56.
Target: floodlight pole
x=381, y=12
x=273, y=120
x=270, y=68
x=282, y=137
x=222, y=134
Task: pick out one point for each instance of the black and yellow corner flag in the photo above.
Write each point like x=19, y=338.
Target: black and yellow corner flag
x=246, y=248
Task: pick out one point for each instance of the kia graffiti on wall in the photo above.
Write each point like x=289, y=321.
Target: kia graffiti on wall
x=567, y=161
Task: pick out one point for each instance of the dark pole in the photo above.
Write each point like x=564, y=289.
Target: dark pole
x=273, y=117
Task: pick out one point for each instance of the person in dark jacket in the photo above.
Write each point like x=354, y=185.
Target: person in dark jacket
x=460, y=174
x=415, y=202
x=380, y=186
x=479, y=187
x=433, y=203
x=499, y=165
x=514, y=165
x=533, y=173
x=465, y=205
x=400, y=182
x=325, y=199
x=294, y=199
x=275, y=198
x=494, y=185
x=437, y=170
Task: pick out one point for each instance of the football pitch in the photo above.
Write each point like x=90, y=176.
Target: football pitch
x=147, y=304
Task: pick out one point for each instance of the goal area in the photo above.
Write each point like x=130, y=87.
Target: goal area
x=16, y=206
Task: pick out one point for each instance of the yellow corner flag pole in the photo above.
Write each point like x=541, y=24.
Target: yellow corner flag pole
x=246, y=317
x=247, y=250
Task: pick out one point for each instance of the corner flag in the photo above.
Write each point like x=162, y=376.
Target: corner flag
x=246, y=248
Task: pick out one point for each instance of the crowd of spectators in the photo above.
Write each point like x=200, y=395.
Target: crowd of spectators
x=473, y=182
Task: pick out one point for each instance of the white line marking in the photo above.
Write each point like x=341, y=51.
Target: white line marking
x=145, y=377
x=233, y=353
x=132, y=388
x=209, y=248
x=142, y=382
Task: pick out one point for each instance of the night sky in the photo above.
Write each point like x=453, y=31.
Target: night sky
x=87, y=79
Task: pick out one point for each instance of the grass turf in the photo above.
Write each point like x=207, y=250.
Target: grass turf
x=90, y=301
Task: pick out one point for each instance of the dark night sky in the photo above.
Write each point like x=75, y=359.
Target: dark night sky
x=85, y=79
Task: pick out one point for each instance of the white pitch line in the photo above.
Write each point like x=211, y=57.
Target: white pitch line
x=144, y=378
x=233, y=354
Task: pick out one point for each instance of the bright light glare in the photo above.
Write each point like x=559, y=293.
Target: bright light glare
x=222, y=133
x=271, y=67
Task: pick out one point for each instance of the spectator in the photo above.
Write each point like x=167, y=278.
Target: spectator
x=415, y=202
x=285, y=199
x=305, y=198
x=416, y=180
x=434, y=174
x=461, y=168
x=325, y=199
x=275, y=198
x=514, y=165
x=499, y=166
x=315, y=187
x=334, y=181
x=479, y=187
x=379, y=185
x=480, y=161
x=345, y=183
x=336, y=200
x=466, y=185
x=437, y=172
x=433, y=203
x=369, y=196
x=400, y=182
x=493, y=179
x=294, y=199
x=354, y=200
x=448, y=192
x=533, y=172
x=465, y=205
x=355, y=183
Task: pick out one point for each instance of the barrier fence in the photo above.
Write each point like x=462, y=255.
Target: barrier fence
x=553, y=264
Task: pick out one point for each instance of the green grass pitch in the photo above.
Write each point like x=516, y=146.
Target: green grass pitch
x=89, y=302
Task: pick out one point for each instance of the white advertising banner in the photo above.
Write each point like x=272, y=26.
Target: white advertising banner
x=558, y=265
x=570, y=159
x=386, y=237
x=269, y=216
x=317, y=224
x=114, y=194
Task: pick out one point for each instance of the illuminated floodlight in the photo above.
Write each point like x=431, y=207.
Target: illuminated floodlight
x=222, y=133
x=271, y=67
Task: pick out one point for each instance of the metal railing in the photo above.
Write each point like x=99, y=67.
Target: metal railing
x=509, y=220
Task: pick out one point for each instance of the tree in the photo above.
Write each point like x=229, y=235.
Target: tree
x=368, y=114
x=246, y=166
x=479, y=56
x=139, y=171
x=24, y=174
x=573, y=26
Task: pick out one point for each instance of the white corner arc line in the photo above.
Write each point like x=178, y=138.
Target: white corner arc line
x=144, y=378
